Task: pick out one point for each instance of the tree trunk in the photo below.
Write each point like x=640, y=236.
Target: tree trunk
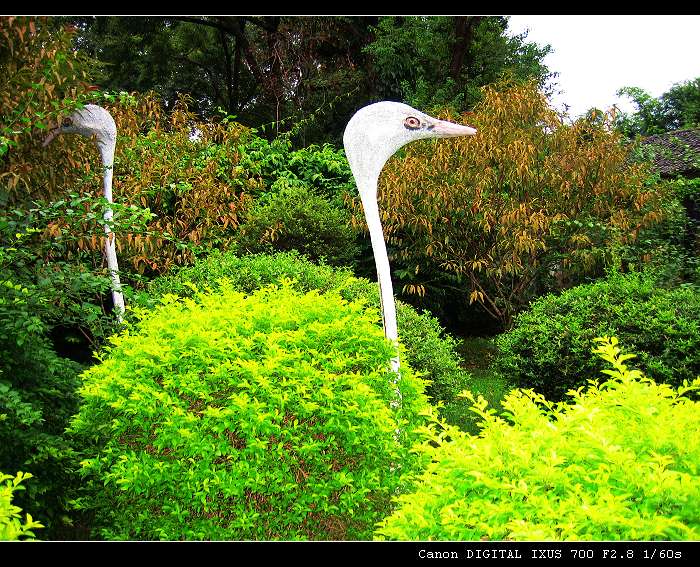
x=230, y=102
x=464, y=35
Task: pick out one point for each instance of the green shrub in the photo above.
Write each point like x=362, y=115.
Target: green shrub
x=429, y=349
x=37, y=388
x=251, y=272
x=323, y=168
x=268, y=416
x=38, y=385
x=37, y=398
x=670, y=249
x=296, y=218
x=11, y=526
x=619, y=461
x=548, y=347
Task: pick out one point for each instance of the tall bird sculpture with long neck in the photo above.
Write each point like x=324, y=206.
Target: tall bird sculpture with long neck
x=371, y=137
x=95, y=122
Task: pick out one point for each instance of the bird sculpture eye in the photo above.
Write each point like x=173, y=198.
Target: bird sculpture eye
x=412, y=123
x=67, y=122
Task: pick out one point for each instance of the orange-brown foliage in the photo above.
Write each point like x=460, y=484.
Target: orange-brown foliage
x=194, y=187
x=496, y=208
x=41, y=77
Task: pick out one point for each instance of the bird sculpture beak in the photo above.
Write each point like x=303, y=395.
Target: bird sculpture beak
x=445, y=129
x=55, y=132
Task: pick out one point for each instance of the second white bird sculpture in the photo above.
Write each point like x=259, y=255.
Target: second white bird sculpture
x=95, y=122
x=371, y=137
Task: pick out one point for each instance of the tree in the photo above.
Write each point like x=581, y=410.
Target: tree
x=41, y=78
x=682, y=104
x=528, y=200
x=291, y=70
x=440, y=61
x=677, y=108
x=261, y=69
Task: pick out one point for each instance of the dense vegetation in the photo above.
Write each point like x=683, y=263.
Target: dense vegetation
x=268, y=416
x=247, y=395
x=548, y=347
x=495, y=215
x=677, y=108
x=288, y=71
x=616, y=461
x=429, y=350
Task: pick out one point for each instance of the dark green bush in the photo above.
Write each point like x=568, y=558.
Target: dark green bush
x=37, y=386
x=618, y=461
x=296, y=218
x=671, y=248
x=37, y=399
x=429, y=349
x=323, y=168
x=267, y=416
x=548, y=347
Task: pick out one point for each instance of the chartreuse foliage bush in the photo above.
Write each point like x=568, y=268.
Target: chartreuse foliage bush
x=548, y=347
x=428, y=348
x=11, y=525
x=268, y=416
x=617, y=461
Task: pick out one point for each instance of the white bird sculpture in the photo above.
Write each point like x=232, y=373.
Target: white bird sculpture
x=95, y=122
x=371, y=137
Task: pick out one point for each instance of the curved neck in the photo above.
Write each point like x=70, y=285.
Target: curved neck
x=107, y=154
x=381, y=260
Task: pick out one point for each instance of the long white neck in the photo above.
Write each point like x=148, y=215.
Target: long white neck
x=107, y=153
x=381, y=260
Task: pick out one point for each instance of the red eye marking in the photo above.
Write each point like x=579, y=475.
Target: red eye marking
x=412, y=123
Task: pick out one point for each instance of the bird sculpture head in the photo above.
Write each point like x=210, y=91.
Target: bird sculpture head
x=377, y=131
x=96, y=123
x=93, y=122
x=371, y=137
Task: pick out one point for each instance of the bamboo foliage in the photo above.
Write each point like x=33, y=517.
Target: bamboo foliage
x=178, y=186
x=41, y=79
x=528, y=195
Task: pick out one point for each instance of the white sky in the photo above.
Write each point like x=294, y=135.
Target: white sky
x=597, y=55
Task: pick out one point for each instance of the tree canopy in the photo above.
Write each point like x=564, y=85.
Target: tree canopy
x=285, y=70
x=677, y=108
x=496, y=215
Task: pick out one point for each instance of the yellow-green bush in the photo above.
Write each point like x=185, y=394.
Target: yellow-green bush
x=268, y=416
x=619, y=461
x=429, y=349
x=11, y=526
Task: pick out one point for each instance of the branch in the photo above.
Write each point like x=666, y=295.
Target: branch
x=234, y=26
x=269, y=24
